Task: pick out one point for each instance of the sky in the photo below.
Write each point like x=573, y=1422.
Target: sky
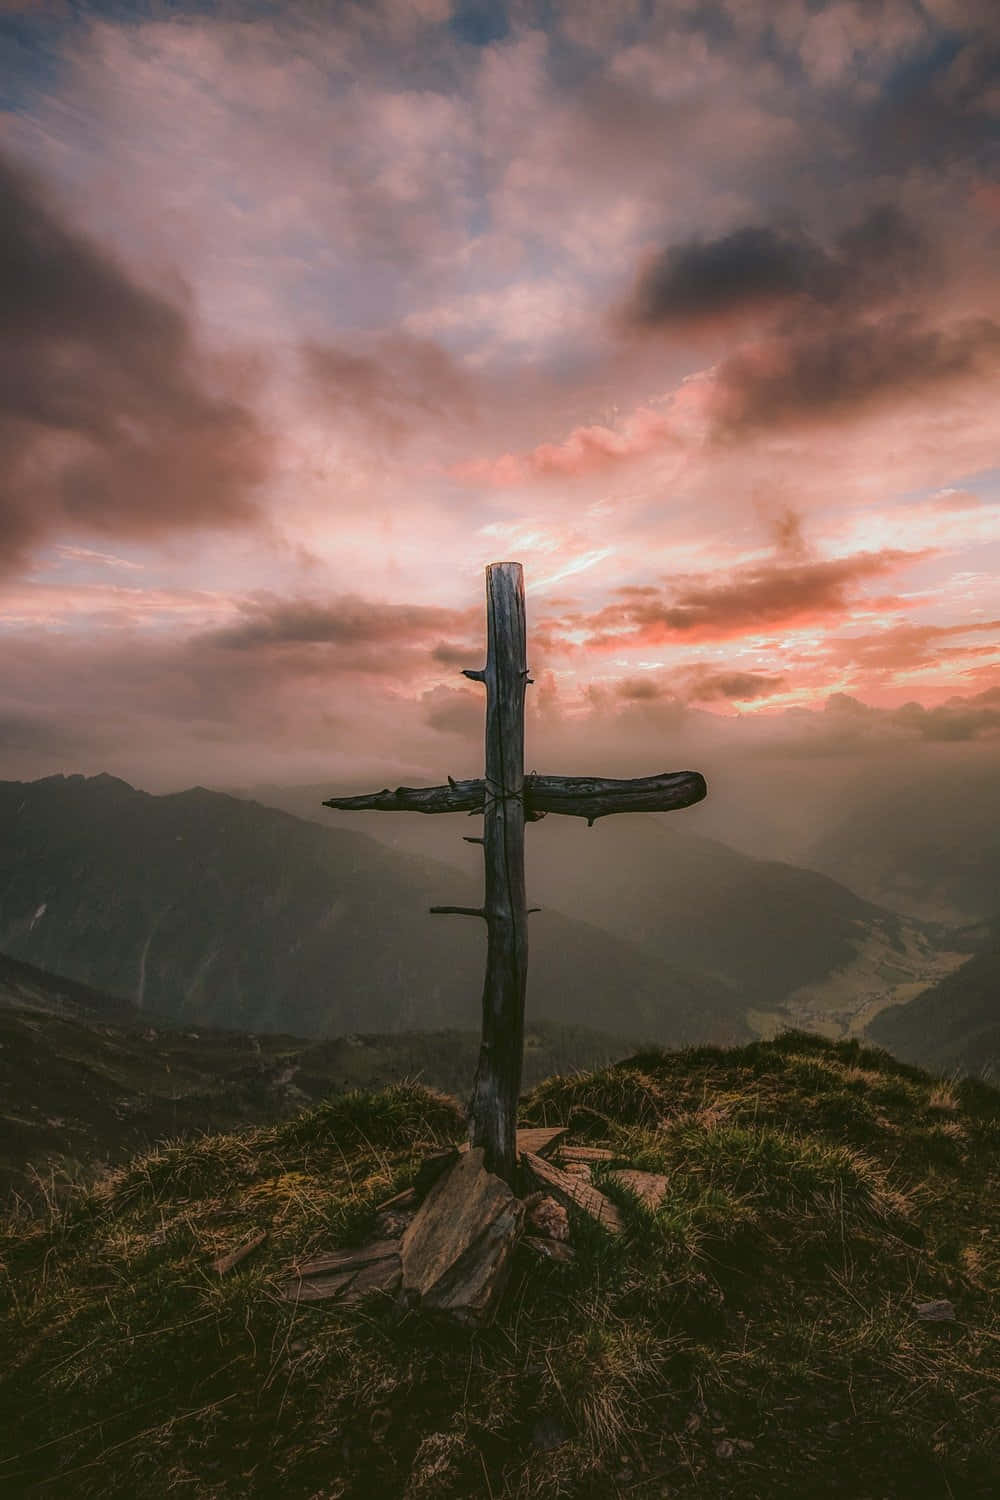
x=310, y=311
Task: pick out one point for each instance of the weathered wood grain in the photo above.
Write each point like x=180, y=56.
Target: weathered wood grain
x=348, y=1274
x=406, y=1199
x=589, y=797
x=352, y=1259
x=457, y=796
x=573, y=1192
x=594, y=797
x=349, y=1286
x=497, y=1084
x=587, y=1154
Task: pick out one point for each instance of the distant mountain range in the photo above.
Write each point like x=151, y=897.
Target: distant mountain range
x=955, y=1025
x=204, y=908
x=167, y=956
x=795, y=946
x=85, y=1078
x=925, y=845
x=210, y=909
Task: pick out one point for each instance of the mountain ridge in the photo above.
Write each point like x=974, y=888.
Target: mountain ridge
x=203, y=907
x=795, y=943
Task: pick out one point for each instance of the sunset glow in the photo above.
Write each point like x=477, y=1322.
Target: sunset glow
x=311, y=312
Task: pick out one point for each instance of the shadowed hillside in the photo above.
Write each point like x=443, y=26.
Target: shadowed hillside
x=927, y=843
x=955, y=1024
x=215, y=911
x=811, y=1310
x=795, y=945
x=86, y=1080
x=25, y=986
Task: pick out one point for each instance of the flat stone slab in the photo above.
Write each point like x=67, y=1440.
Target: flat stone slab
x=348, y=1274
x=574, y=1192
x=544, y=1216
x=456, y=1253
x=941, y=1311
x=549, y=1249
x=649, y=1187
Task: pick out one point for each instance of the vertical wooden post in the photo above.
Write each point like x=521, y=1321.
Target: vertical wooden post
x=498, y=1077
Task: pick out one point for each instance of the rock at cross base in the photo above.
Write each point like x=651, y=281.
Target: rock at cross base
x=649, y=1187
x=346, y=1274
x=941, y=1311
x=545, y=1249
x=456, y=1253
x=544, y=1216
x=573, y=1192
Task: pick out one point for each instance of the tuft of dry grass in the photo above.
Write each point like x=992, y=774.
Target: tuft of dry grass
x=753, y=1335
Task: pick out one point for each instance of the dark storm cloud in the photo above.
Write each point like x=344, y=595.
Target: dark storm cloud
x=834, y=369
x=941, y=108
x=641, y=689
x=702, y=281
x=107, y=422
x=37, y=733
x=848, y=726
x=847, y=326
x=700, y=686
x=737, y=687
x=453, y=711
x=349, y=621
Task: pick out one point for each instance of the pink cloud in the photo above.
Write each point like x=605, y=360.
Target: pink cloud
x=112, y=420
x=754, y=599
x=427, y=243
x=586, y=450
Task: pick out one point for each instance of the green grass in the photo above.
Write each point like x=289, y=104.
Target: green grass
x=75, y=1091
x=755, y=1336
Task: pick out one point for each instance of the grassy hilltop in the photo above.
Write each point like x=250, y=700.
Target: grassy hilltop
x=755, y=1336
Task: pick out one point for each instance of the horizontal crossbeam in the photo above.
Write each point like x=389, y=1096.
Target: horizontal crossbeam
x=589, y=797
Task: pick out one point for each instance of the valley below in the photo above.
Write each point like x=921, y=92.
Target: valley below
x=200, y=961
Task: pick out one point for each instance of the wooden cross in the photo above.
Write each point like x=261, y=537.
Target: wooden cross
x=507, y=799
